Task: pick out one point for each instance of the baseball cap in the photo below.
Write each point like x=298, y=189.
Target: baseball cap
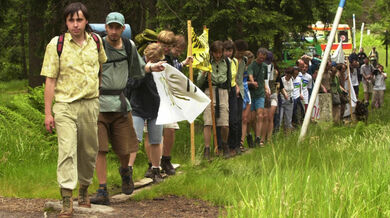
x=115, y=17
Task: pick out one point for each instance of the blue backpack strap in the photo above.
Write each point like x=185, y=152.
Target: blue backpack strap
x=60, y=44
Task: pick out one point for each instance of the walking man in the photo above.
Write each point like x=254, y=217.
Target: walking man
x=72, y=79
x=115, y=122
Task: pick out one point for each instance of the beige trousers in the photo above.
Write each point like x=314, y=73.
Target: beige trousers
x=76, y=126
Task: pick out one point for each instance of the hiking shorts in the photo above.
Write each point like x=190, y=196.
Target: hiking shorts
x=223, y=119
x=171, y=126
x=154, y=131
x=367, y=87
x=257, y=103
x=114, y=127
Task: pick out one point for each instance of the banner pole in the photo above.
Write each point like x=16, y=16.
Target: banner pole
x=321, y=70
x=191, y=74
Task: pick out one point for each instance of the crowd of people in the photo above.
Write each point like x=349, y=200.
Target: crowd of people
x=252, y=95
x=105, y=94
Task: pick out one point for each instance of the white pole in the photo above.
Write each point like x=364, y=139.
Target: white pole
x=361, y=36
x=354, y=31
x=321, y=71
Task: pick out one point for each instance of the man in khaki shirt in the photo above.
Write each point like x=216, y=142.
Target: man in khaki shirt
x=72, y=78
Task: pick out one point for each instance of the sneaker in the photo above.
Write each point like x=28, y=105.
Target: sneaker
x=257, y=141
x=156, y=175
x=67, y=204
x=127, y=180
x=206, y=154
x=249, y=140
x=166, y=165
x=149, y=173
x=101, y=197
x=83, y=199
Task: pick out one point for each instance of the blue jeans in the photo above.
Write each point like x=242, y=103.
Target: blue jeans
x=154, y=131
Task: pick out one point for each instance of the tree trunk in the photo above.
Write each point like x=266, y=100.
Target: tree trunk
x=35, y=38
x=278, y=46
x=23, y=46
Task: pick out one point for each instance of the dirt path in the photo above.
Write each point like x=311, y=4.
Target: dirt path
x=167, y=206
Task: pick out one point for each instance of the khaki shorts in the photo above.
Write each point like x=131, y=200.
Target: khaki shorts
x=271, y=101
x=367, y=87
x=119, y=130
x=171, y=126
x=223, y=119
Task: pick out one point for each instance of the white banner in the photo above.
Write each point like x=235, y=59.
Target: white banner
x=180, y=99
x=347, y=84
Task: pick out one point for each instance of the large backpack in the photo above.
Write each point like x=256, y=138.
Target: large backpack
x=227, y=83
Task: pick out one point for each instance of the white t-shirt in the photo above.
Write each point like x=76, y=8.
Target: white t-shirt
x=288, y=86
x=379, y=83
x=354, y=77
x=297, y=86
x=306, y=80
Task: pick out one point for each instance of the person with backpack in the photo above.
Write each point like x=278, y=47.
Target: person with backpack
x=257, y=75
x=165, y=40
x=115, y=122
x=71, y=67
x=221, y=83
x=145, y=102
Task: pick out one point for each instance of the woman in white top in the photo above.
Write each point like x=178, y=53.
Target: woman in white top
x=286, y=108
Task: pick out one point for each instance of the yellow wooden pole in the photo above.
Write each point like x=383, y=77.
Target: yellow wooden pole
x=189, y=53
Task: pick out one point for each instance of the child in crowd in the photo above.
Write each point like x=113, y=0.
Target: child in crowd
x=145, y=102
x=221, y=83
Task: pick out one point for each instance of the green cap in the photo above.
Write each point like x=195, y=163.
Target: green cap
x=115, y=17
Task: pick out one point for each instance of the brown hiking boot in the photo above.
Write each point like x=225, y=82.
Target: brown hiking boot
x=67, y=204
x=127, y=180
x=83, y=197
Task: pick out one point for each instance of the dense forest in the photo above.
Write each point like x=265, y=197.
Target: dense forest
x=27, y=26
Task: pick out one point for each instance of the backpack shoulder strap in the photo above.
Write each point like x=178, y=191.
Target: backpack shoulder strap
x=127, y=45
x=229, y=70
x=60, y=44
x=96, y=39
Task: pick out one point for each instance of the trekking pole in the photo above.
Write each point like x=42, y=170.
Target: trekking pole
x=321, y=71
x=191, y=74
x=213, y=112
